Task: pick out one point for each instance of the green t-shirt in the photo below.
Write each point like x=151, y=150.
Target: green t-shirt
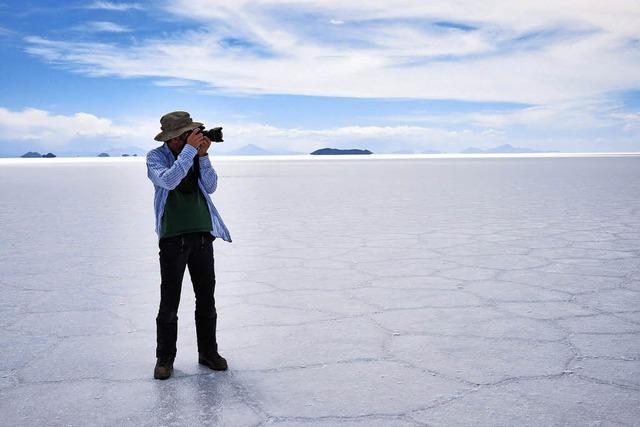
x=186, y=209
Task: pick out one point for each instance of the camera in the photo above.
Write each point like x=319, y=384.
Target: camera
x=214, y=134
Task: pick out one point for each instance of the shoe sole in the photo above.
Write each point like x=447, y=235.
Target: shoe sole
x=216, y=368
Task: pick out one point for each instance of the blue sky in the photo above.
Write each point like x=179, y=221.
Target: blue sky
x=296, y=76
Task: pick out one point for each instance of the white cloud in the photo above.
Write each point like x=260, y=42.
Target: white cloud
x=33, y=124
x=108, y=5
x=101, y=27
x=173, y=83
x=576, y=125
x=579, y=114
x=619, y=16
x=631, y=120
x=571, y=49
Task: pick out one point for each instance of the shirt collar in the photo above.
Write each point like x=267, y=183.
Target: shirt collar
x=168, y=152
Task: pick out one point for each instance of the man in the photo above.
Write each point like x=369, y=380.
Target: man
x=187, y=223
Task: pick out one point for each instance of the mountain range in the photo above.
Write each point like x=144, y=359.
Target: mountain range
x=501, y=149
x=255, y=150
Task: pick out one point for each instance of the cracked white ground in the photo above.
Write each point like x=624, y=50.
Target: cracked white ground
x=355, y=293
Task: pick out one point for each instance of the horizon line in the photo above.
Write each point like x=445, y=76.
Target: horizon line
x=312, y=157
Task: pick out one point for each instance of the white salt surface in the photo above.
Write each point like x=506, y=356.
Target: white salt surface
x=377, y=292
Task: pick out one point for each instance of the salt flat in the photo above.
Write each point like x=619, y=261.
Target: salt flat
x=377, y=292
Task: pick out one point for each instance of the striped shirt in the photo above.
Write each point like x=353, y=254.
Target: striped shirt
x=166, y=172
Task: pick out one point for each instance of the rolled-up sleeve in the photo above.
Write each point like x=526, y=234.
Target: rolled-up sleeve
x=208, y=175
x=169, y=177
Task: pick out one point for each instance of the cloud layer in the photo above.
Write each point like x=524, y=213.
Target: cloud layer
x=36, y=129
x=529, y=51
x=29, y=127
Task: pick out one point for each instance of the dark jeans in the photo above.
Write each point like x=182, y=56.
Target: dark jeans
x=195, y=251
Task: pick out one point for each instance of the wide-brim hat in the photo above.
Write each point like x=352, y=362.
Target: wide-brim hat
x=175, y=124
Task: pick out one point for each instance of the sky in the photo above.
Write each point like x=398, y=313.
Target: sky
x=295, y=76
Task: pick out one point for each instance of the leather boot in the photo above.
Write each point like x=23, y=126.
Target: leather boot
x=163, y=369
x=213, y=361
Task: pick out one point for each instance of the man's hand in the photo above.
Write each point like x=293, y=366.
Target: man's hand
x=195, y=139
x=206, y=143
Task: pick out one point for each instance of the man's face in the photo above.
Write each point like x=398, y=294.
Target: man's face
x=177, y=144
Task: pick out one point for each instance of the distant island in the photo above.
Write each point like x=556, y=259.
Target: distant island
x=505, y=149
x=341, y=151
x=35, y=154
x=31, y=155
x=255, y=150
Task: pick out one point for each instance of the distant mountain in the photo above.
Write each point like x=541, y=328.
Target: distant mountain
x=472, y=150
x=49, y=155
x=119, y=151
x=111, y=152
x=427, y=151
x=341, y=151
x=254, y=150
x=504, y=149
x=248, y=150
x=31, y=155
x=288, y=152
x=75, y=154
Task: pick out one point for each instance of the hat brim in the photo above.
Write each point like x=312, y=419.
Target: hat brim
x=166, y=135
